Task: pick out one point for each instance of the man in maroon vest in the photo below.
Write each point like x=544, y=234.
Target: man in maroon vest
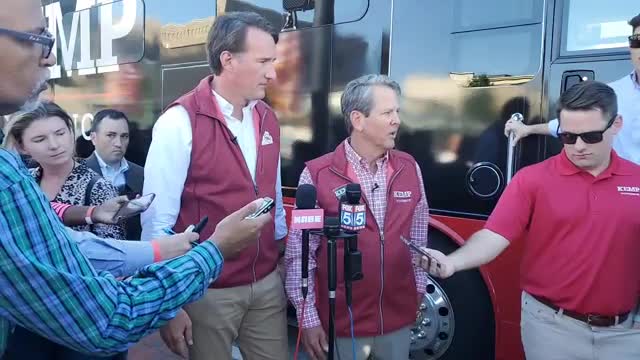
x=215, y=149
x=385, y=301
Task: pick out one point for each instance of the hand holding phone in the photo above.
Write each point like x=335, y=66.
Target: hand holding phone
x=267, y=205
x=135, y=206
x=433, y=261
x=421, y=251
x=197, y=228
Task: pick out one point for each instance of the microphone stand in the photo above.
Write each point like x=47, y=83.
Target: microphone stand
x=352, y=263
x=333, y=232
x=305, y=263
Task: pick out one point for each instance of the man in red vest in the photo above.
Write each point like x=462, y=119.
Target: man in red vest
x=215, y=149
x=385, y=301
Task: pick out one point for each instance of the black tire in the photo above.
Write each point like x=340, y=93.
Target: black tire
x=474, y=333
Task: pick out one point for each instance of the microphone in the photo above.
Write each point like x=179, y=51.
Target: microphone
x=305, y=217
x=353, y=215
x=352, y=218
x=375, y=187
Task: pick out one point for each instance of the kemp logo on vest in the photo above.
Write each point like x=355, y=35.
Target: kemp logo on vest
x=402, y=196
x=629, y=190
x=267, y=139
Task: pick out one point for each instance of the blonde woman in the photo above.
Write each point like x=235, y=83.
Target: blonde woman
x=49, y=145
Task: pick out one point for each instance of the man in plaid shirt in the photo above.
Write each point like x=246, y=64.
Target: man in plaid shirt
x=46, y=284
x=384, y=302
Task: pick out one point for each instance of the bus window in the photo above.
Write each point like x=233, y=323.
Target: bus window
x=593, y=26
x=484, y=53
x=497, y=39
x=187, y=27
x=345, y=10
x=465, y=67
x=469, y=15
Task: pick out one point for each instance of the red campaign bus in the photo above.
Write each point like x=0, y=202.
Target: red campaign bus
x=465, y=66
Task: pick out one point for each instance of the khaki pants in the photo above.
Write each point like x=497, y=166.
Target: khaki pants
x=391, y=346
x=549, y=335
x=254, y=316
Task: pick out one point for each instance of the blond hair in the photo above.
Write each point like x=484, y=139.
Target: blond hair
x=17, y=123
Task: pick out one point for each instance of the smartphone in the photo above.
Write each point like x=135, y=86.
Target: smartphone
x=419, y=250
x=266, y=206
x=197, y=228
x=135, y=206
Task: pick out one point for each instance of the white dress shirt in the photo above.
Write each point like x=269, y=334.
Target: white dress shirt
x=171, y=144
x=114, y=176
x=627, y=142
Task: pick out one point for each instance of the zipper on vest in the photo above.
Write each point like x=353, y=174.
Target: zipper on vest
x=259, y=158
x=255, y=260
x=390, y=182
x=381, y=282
x=259, y=170
x=380, y=301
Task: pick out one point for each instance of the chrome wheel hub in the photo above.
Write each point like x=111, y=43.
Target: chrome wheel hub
x=433, y=331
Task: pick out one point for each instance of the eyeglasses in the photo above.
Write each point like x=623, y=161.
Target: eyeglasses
x=591, y=137
x=634, y=41
x=45, y=39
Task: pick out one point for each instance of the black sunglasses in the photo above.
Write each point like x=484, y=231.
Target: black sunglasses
x=591, y=137
x=45, y=39
x=634, y=41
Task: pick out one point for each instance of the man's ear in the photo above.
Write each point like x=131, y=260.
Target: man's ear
x=226, y=60
x=93, y=136
x=357, y=120
x=617, y=124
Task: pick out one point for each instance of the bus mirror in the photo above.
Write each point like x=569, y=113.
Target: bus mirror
x=484, y=180
x=298, y=5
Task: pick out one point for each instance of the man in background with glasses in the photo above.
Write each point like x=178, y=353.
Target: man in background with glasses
x=627, y=143
x=577, y=214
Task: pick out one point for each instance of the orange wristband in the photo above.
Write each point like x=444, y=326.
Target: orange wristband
x=157, y=256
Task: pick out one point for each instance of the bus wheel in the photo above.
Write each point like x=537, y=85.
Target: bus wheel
x=455, y=318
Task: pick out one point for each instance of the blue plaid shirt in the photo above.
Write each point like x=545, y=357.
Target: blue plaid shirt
x=48, y=287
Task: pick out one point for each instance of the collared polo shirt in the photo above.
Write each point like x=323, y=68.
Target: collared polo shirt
x=581, y=233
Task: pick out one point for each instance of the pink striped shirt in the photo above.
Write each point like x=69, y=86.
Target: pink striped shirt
x=59, y=208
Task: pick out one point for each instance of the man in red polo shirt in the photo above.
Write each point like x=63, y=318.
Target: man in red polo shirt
x=578, y=215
